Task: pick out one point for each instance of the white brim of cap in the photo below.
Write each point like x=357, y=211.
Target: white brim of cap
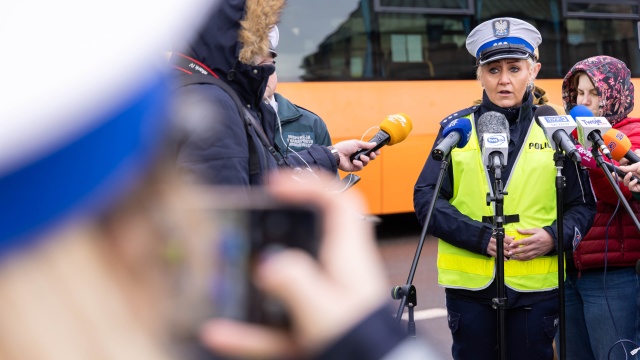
x=81, y=137
x=85, y=72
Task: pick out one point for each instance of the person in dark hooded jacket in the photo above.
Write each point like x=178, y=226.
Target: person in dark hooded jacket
x=218, y=147
x=234, y=47
x=602, y=294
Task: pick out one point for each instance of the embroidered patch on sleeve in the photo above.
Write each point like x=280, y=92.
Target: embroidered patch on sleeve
x=577, y=237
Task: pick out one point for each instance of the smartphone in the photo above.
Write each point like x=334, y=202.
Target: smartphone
x=246, y=235
x=348, y=181
x=217, y=280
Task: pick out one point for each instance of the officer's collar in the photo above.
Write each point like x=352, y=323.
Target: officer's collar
x=513, y=115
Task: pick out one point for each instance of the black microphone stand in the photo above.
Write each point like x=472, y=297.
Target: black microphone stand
x=559, y=157
x=407, y=294
x=625, y=203
x=500, y=301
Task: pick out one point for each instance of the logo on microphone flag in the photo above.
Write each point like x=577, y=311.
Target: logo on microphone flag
x=556, y=120
x=496, y=139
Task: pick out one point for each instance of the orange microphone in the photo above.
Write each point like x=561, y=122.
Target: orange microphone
x=394, y=129
x=619, y=145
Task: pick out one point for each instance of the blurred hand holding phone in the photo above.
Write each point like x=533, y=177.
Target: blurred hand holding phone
x=243, y=228
x=249, y=232
x=325, y=295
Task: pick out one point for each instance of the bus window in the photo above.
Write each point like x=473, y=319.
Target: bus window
x=356, y=61
x=603, y=27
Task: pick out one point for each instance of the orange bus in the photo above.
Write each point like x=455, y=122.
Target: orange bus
x=353, y=62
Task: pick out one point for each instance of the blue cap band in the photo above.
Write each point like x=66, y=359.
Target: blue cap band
x=86, y=174
x=505, y=40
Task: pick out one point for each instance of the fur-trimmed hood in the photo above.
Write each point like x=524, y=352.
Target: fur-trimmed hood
x=612, y=80
x=234, y=35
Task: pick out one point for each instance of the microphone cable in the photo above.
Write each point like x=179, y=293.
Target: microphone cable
x=354, y=179
x=604, y=285
x=286, y=143
x=369, y=129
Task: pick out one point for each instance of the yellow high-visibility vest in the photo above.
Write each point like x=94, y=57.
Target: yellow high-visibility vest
x=531, y=195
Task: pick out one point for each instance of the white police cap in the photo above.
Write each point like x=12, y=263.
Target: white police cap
x=82, y=138
x=503, y=38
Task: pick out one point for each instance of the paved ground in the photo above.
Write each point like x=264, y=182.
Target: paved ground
x=398, y=238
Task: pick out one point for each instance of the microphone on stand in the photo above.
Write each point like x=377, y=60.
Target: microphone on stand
x=590, y=128
x=493, y=131
x=394, y=129
x=456, y=134
x=557, y=129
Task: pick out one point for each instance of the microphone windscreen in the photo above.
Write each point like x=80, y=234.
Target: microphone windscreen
x=398, y=126
x=493, y=122
x=617, y=142
x=580, y=111
x=463, y=127
x=545, y=110
x=586, y=158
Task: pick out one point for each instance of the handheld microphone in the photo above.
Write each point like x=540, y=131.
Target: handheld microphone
x=556, y=129
x=493, y=129
x=590, y=163
x=590, y=128
x=394, y=129
x=456, y=134
x=619, y=145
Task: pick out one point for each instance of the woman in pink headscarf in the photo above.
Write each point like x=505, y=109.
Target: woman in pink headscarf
x=602, y=288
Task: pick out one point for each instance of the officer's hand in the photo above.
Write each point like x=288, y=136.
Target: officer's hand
x=538, y=244
x=492, y=248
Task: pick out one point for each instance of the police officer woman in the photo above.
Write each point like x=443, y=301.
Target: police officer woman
x=507, y=66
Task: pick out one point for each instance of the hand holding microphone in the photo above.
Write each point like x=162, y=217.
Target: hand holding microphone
x=630, y=180
x=589, y=162
x=348, y=147
x=620, y=147
x=590, y=128
x=633, y=169
x=394, y=129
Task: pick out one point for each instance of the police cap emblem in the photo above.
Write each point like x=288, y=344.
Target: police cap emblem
x=501, y=28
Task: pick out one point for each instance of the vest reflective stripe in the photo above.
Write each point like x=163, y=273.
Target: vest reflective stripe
x=531, y=194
